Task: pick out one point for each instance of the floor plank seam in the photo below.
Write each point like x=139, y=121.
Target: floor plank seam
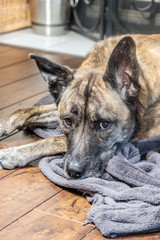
x=48, y=198
x=24, y=99
x=55, y=215
x=29, y=211
x=11, y=134
x=21, y=79
x=12, y=171
x=12, y=64
x=88, y=233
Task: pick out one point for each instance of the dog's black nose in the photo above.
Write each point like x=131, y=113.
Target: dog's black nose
x=75, y=171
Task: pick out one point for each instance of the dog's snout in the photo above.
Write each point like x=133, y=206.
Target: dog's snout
x=75, y=170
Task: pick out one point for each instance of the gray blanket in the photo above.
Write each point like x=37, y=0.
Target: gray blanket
x=126, y=199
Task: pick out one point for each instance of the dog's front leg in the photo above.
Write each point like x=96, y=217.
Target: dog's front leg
x=35, y=116
x=20, y=156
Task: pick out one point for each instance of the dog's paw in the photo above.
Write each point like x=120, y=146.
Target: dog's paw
x=11, y=123
x=10, y=158
x=6, y=127
x=3, y=130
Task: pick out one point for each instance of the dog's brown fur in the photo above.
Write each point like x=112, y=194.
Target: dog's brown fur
x=148, y=56
x=115, y=85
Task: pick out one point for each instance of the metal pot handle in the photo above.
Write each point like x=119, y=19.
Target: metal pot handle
x=74, y=3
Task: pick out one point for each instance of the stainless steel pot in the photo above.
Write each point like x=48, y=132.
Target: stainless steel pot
x=50, y=17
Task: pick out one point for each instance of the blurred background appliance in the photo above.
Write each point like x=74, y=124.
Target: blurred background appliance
x=99, y=19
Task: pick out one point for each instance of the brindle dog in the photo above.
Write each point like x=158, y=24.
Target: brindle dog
x=110, y=99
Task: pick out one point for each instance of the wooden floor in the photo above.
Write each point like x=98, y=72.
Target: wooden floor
x=31, y=207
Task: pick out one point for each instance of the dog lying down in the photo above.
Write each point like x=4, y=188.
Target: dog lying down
x=113, y=97
x=126, y=199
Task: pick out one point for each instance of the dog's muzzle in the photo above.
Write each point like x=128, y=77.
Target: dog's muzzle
x=75, y=167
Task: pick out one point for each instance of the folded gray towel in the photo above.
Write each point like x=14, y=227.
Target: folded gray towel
x=126, y=199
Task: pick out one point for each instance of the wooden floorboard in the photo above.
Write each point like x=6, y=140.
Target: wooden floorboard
x=13, y=56
x=68, y=205
x=23, y=104
x=22, y=191
x=22, y=90
x=46, y=226
x=31, y=207
x=4, y=173
x=22, y=70
x=4, y=48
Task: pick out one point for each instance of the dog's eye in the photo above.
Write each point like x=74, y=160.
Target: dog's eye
x=103, y=125
x=67, y=122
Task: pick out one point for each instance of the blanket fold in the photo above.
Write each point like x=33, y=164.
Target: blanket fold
x=126, y=200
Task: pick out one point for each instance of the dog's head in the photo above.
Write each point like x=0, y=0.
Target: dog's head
x=96, y=107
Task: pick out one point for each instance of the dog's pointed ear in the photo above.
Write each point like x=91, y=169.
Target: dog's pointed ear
x=57, y=76
x=122, y=71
